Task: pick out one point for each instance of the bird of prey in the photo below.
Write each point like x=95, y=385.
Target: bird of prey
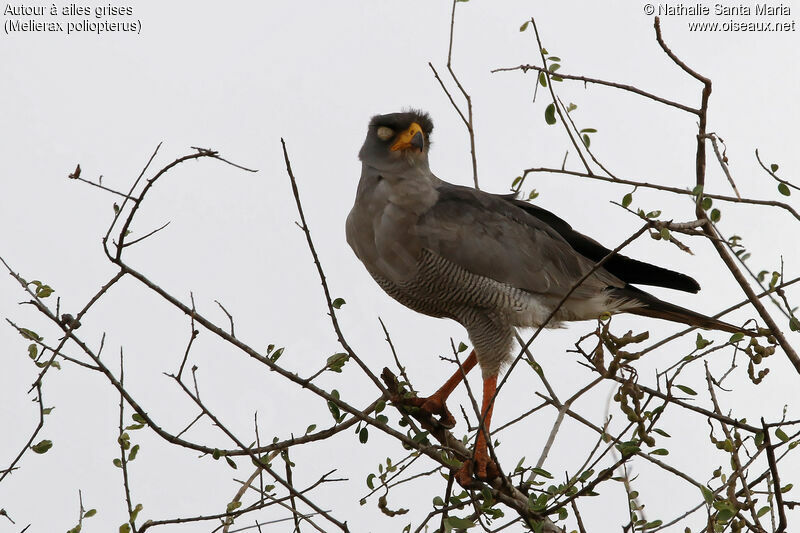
x=491, y=262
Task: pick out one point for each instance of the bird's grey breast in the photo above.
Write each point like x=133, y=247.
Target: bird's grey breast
x=381, y=227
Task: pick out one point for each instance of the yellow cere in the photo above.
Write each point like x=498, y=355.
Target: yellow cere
x=404, y=139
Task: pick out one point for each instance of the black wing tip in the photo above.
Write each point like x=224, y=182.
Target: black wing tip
x=682, y=282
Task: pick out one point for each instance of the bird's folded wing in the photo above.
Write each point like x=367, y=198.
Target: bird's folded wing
x=488, y=236
x=625, y=268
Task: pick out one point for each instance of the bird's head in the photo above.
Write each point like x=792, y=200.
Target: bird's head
x=397, y=141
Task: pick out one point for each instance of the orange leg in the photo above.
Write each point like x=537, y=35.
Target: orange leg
x=481, y=451
x=435, y=403
x=483, y=466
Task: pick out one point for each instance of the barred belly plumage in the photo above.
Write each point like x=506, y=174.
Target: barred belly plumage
x=488, y=309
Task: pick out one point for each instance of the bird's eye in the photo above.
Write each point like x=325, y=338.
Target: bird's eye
x=385, y=133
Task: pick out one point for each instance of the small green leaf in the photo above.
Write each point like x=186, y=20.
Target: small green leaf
x=230, y=462
x=421, y=436
x=759, y=439
x=706, y=203
x=687, y=390
x=533, y=194
x=370, y=481
x=310, y=428
x=665, y=234
x=233, y=506
x=333, y=408
x=764, y=510
x=794, y=324
x=550, y=114
x=516, y=181
x=45, y=290
x=542, y=472
x=276, y=354
x=701, y=342
x=736, y=337
x=554, y=67
x=660, y=451
x=652, y=525
x=42, y=446
x=588, y=130
x=524, y=25
x=778, y=433
x=786, y=488
x=138, y=418
x=30, y=335
x=135, y=512
x=715, y=215
x=453, y=522
x=125, y=528
x=628, y=448
x=586, y=140
x=774, y=167
x=337, y=361
x=363, y=435
x=90, y=513
x=47, y=410
x=542, y=79
x=627, y=199
x=725, y=515
x=708, y=496
x=662, y=432
x=784, y=189
x=33, y=351
x=461, y=347
x=133, y=452
x=338, y=303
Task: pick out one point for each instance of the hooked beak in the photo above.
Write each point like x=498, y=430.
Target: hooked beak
x=411, y=138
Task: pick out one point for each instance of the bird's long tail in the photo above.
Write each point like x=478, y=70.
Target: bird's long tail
x=656, y=308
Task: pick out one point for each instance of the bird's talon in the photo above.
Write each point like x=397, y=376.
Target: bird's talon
x=477, y=469
x=433, y=407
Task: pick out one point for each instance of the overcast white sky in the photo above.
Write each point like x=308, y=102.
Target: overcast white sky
x=236, y=77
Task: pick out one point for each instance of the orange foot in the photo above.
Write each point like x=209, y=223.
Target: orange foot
x=432, y=406
x=481, y=468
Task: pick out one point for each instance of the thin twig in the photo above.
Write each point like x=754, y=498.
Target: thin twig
x=666, y=188
x=469, y=122
x=328, y=299
x=776, y=480
x=624, y=87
